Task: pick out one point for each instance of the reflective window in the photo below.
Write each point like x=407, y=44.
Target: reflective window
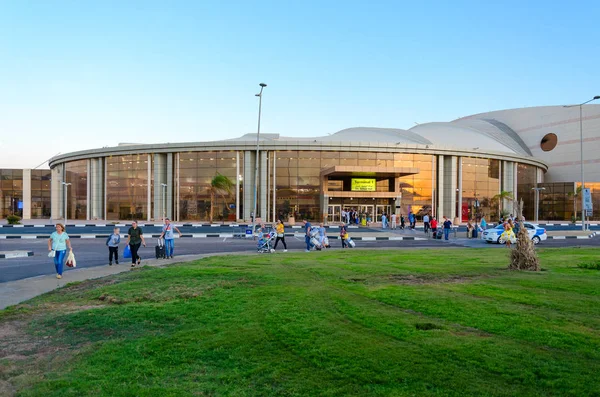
x=76, y=175
x=40, y=194
x=196, y=173
x=11, y=192
x=481, y=182
x=127, y=187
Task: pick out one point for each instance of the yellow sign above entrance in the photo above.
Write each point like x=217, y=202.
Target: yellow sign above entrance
x=363, y=185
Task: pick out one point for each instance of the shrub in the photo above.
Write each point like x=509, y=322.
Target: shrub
x=13, y=219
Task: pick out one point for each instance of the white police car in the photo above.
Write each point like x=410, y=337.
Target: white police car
x=536, y=233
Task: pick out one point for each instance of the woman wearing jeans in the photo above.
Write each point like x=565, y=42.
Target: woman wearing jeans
x=135, y=237
x=58, y=242
x=167, y=233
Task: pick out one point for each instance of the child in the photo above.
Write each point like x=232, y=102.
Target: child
x=113, y=246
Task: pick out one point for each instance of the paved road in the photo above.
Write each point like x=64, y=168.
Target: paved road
x=93, y=252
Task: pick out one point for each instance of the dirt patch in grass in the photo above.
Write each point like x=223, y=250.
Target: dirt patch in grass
x=429, y=279
x=92, y=284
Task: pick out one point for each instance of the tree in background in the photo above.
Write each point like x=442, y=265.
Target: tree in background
x=499, y=199
x=222, y=186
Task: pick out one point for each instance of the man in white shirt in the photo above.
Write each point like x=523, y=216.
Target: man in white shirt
x=393, y=221
x=426, y=222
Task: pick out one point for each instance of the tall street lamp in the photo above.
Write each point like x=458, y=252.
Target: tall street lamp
x=583, y=227
x=66, y=191
x=164, y=187
x=259, y=95
x=537, y=201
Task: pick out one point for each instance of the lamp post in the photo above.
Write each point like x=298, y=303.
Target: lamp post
x=66, y=191
x=259, y=95
x=164, y=187
x=583, y=227
x=537, y=201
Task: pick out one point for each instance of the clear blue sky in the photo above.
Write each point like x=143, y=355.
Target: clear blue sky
x=78, y=75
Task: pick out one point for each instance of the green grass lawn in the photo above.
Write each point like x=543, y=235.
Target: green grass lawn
x=352, y=322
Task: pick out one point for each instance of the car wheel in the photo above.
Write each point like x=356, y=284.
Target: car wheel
x=499, y=242
x=536, y=240
x=487, y=241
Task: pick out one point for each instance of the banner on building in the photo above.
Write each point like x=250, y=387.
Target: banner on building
x=587, y=200
x=363, y=185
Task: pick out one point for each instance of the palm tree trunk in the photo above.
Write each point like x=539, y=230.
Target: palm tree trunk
x=212, y=204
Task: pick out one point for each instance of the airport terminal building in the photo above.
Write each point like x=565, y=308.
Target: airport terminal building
x=454, y=169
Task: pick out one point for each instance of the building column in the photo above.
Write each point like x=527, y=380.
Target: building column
x=149, y=189
x=515, y=179
x=248, y=183
x=57, y=193
x=88, y=189
x=460, y=188
x=27, y=194
x=274, y=205
x=96, y=189
x=508, y=179
x=237, y=185
x=440, y=188
x=170, y=185
x=160, y=176
x=450, y=178
x=263, y=172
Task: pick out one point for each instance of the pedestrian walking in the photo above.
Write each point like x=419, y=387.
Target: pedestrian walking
x=135, y=238
x=280, y=230
x=167, y=233
x=426, y=224
x=307, y=229
x=344, y=235
x=411, y=220
x=394, y=221
x=402, y=222
x=113, y=246
x=57, y=246
x=322, y=234
x=383, y=221
x=447, y=226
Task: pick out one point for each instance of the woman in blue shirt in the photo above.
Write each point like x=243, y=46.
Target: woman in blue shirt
x=59, y=242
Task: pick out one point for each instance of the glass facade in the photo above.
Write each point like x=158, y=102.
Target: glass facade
x=127, y=187
x=11, y=192
x=481, y=181
x=526, y=180
x=416, y=190
x=40, y=194
x=294, y=177
x=557, y=201
x=196, y=171
x=76, y=175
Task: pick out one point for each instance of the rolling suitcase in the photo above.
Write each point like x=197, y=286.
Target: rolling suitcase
x=159, y=250
x=350, y=242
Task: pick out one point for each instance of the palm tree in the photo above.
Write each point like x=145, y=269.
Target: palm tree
x=219, y=185
x=500, y=197
x=575, y=195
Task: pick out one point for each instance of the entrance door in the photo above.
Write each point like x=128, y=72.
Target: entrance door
x=366, y=209
x=334, y=213
x=381, y=209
